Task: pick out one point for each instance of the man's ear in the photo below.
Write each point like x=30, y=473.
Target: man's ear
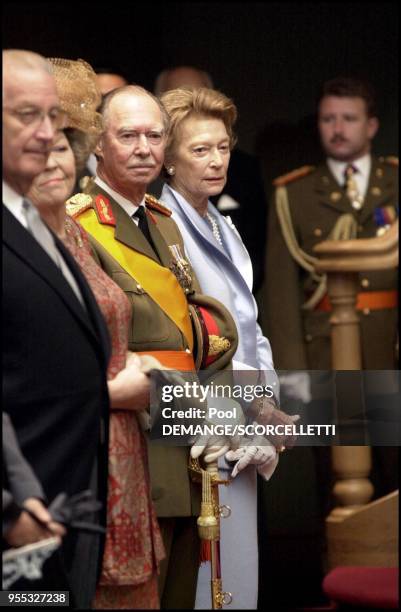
x=99, y=149
x=373, y=126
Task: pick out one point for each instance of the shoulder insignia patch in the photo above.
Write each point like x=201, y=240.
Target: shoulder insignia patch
x=392, y=160
x=293, y=175
x=104, y=210
x=152, y=202
x=78, y=203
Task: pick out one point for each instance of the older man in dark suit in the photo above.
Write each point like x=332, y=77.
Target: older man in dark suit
x=55, y=341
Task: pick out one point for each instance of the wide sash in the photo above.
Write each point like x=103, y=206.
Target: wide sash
x=176, y=360
x=159, y=282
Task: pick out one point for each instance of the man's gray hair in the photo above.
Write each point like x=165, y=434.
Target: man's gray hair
x=24, y=59
x=134, y=90
x=18, y=59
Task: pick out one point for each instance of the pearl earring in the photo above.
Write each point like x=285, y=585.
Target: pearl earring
x=171, y=170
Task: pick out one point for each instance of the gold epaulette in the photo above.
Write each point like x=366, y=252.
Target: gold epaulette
x=152, y=202
x=390, y=159
x=78, y=203
x=85, y=182
x=292, y=176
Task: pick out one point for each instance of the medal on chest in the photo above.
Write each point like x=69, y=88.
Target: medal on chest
x=384, y=216
x=180, y=267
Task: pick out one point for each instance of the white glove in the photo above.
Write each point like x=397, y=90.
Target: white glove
x=259, y=452
x=213, y=446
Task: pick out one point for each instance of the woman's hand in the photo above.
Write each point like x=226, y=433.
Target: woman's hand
x=133, y=359
x=257, y=452
x=130, y=389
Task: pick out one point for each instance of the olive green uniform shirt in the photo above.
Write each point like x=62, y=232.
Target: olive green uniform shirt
x=173, y=493
x=301, y=339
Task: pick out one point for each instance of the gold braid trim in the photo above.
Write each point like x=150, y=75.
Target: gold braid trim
x=78, y=203
x=217, y=345
x=344, y=229
x=293, y=175
x=154, y=203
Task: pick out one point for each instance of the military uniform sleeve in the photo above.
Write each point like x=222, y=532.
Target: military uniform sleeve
x=282, y=299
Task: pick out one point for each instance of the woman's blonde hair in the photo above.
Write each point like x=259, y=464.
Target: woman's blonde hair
x=187, y=102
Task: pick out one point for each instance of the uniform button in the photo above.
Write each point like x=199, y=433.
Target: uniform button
x=317, y=231
x=308, y=338
x=335, y=196
x=366, y=311
x=187, y=350
x=376, y=191
x=365, y=283
x=139, y=287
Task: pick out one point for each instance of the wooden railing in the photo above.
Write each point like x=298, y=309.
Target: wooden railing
x=342, y=261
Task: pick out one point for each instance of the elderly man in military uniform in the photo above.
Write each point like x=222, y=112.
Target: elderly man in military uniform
x=353, y=194
x=138, y=244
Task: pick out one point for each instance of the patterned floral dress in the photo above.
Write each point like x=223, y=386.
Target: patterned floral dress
x=133, y=542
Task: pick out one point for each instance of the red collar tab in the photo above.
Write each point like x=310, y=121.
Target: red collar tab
x=104, y=210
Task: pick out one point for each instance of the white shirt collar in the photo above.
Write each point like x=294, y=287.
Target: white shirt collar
x=13, y=201
x=91, y=164
x=125, y=204
x=363, y=165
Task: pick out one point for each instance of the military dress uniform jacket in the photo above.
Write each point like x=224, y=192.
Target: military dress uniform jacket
x=153, y=330
x=300, y=339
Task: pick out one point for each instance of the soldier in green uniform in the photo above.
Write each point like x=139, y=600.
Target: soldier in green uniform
x=352, y=195
x=308, y=203
x=138, y=244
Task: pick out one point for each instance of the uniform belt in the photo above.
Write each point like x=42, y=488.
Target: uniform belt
x=177, y=360
x=372, y=300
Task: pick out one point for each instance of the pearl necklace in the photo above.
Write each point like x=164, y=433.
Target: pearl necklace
x=215, y=228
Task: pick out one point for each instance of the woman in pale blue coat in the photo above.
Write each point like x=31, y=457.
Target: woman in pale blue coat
x=197, y=158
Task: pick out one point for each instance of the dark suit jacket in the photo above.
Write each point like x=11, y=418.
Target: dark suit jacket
x=55, y=358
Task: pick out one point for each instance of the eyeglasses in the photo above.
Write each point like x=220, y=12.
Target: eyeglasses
x=34, y=117
x=153, y=137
